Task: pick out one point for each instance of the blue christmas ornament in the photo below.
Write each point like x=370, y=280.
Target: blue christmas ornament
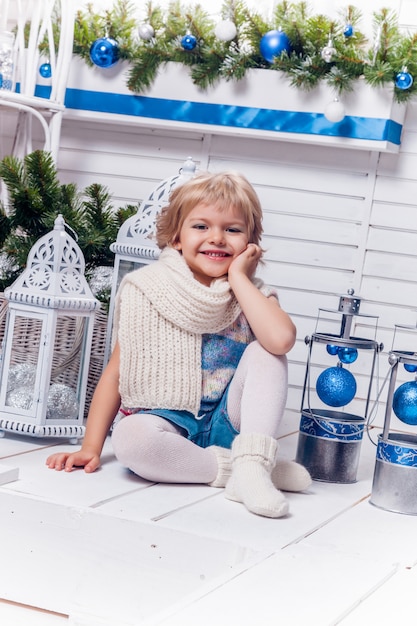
x=403, y=80
x=347, y=355
x=273, y=44
x=404, y=403
x=331, y=349
x=349, y=30
x=189, y=42
x=45, y=70
x=336, y=386
x=104, y=52
x=409, y=367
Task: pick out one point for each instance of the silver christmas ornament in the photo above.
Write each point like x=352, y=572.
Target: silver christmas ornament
x=21, y=375
x=328, y=53
x=62, y=402
x=20, y=398
x=101, y=279
x=146, y=32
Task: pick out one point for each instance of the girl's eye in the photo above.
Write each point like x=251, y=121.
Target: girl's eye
x=200, y=226
x=233, y=229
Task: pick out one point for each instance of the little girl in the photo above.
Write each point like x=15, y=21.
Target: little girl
x=198, y=368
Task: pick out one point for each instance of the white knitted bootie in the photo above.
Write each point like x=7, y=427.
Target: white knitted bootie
x=253, y=457
x=224, y=466
x=286, y=475
x=290, y=476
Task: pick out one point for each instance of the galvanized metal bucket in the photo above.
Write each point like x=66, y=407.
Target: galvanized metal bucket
x=329, y=444
x=394, y=486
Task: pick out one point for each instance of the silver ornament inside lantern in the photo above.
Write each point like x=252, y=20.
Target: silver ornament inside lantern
x=394, y=485
x=330, y=438
x=47, y=341
x=135, y=245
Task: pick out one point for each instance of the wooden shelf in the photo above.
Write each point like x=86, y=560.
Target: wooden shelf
x=262, y=105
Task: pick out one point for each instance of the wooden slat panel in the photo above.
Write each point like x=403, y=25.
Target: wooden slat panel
x=396, y=191
x=390, y=291
x=276, y=152
x=318, y=230
x=396, y=216
x=307, y=278
x=308, y=253
x=306, y=203
x=394, y=241
x=401, y=267
x=292, y=176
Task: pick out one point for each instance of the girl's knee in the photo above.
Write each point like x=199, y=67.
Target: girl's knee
x=257, y=354
x=136, y=440
x=123, y=441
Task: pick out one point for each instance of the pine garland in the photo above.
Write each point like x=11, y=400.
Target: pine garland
x=212, y=60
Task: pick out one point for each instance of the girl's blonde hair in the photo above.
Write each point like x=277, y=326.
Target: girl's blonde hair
x=221, y=190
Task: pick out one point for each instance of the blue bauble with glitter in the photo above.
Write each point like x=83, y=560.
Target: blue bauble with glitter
x=347, y=355
x=404, y=403
x=336, y=386
x=189, y=42
x=104, y=52
x=348, y=30
x=403, y=80
x=331, y=349
x=45, y=70
x=273, y=44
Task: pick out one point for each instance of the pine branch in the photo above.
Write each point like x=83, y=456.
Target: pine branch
x=36, y=198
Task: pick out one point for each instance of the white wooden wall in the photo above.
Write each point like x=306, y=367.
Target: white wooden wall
x=334, y=218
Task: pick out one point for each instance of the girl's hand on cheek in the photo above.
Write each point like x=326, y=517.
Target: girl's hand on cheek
x=247, y=261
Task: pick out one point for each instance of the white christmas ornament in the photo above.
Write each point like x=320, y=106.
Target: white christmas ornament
x=225, y=30
x=334, y=111
x=146, y=32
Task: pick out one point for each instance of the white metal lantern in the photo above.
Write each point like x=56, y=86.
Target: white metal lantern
x=135, y=245
x=329, y=440
x=47, y=342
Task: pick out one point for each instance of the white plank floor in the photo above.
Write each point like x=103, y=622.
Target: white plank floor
x=112, y=549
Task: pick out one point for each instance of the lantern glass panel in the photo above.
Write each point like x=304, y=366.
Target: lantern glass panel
x=67, y=371
x=22, y=361
x=126, y=266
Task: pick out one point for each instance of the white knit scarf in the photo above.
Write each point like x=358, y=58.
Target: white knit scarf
x=161, y=313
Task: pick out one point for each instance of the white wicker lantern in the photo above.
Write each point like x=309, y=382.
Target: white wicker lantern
x=135, y=245
x=47, y=341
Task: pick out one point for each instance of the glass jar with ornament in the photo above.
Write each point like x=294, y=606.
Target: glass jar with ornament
x=394, y=486
x=47, y=341
x=334, y=411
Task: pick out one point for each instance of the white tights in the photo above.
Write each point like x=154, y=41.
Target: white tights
x=157, y=450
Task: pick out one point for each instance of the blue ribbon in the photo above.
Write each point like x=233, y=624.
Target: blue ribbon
x=332, y=429
x=367, y=128
x=396, y=453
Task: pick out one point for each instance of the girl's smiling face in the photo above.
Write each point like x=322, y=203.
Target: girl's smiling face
x=210, y=239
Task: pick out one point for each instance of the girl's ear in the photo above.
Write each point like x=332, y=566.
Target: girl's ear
x=176, y=245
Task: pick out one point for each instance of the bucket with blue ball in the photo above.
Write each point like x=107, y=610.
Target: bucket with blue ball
x=394, y=486
x=330, y=439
